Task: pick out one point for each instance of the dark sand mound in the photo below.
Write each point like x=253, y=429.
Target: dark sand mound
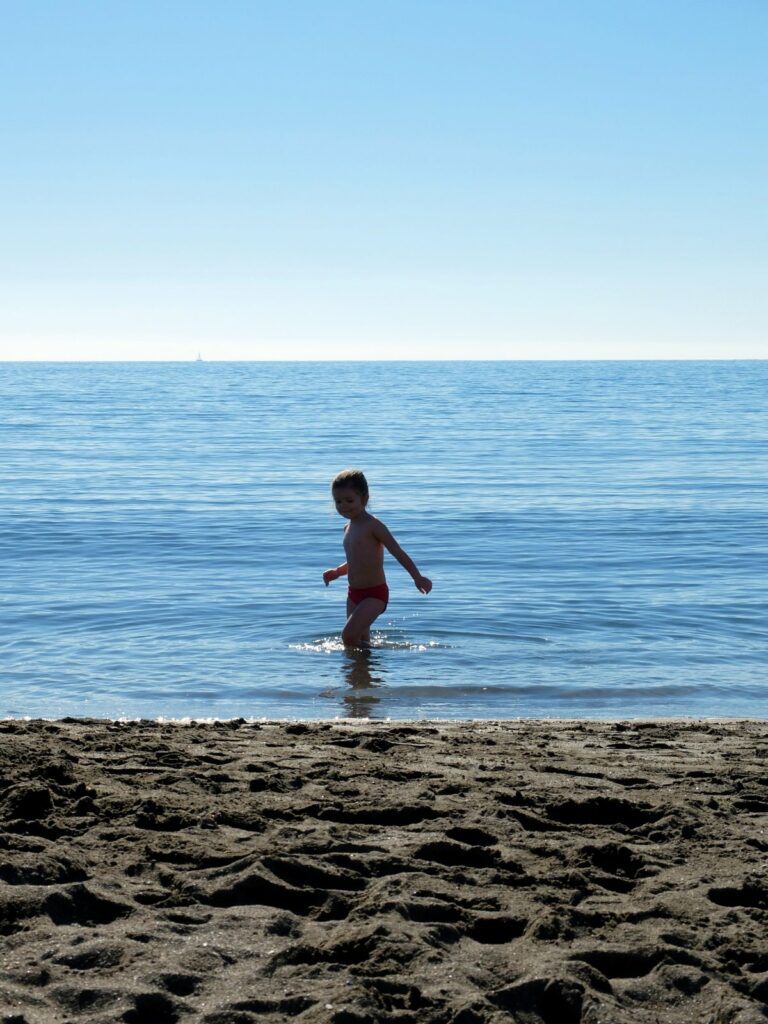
x=487, y=873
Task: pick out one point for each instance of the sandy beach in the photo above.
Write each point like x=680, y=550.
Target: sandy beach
x=350, y=872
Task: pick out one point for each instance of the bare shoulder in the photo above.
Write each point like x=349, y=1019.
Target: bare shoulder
x=378, y=528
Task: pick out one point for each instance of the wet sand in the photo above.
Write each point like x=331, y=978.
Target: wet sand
x=351, y=872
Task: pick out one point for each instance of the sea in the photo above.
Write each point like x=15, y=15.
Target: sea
x=596, y=533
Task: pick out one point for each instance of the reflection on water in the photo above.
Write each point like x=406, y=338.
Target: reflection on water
x=362, y=670
x=366, y=670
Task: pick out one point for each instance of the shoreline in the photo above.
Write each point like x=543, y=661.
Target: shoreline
x=545, y=871
x=354, y=720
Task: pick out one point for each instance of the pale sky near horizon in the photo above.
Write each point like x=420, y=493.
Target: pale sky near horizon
x=353, y=180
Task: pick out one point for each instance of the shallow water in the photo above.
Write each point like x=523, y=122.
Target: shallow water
x=596, y=533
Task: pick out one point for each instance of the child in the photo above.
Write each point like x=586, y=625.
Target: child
x=365, y=538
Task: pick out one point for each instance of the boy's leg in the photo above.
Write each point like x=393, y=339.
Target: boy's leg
x=361, y=616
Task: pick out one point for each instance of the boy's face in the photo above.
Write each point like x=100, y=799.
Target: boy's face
x=349, y=503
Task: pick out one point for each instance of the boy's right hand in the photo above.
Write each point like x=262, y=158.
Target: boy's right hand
x=329, y=575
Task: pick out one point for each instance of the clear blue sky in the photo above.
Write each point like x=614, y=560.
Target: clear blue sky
x=338, y=179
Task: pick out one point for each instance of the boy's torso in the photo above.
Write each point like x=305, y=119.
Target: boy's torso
x=365, y=554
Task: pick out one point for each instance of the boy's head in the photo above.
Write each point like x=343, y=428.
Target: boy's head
x=354, y=479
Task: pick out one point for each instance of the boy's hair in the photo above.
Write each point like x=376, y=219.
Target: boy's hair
x=354, y=478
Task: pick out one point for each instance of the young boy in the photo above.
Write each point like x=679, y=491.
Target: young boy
x=365, y=538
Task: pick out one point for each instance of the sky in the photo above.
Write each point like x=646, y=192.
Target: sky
x=416, y=179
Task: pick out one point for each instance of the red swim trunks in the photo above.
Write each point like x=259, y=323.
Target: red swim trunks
x=358, y=594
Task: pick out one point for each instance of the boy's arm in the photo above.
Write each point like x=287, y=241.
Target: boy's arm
x=333, y=574
x=381, y=533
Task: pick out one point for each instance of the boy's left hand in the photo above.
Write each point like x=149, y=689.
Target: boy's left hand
x=423, y=584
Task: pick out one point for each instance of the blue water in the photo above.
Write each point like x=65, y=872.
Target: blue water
x=597, y=534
